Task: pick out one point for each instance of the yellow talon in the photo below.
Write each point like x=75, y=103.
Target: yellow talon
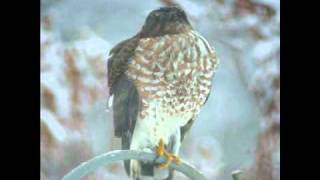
x=176, y=159
x=160, y=150
x=165, y=165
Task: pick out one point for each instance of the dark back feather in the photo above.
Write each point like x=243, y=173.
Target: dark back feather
x=125, y=110
x=184, y=129
x=118, y=62
x=126, y=98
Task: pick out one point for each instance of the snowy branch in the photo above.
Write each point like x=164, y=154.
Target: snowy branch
x=117, y=155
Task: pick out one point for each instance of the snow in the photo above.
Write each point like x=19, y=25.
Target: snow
x=93, y=45
x=264, y=48
x=53, y=125
x=195, y=9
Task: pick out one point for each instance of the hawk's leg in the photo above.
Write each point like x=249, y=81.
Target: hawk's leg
x=161, y=151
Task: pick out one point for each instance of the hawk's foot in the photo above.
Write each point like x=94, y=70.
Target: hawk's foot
x=161, y=151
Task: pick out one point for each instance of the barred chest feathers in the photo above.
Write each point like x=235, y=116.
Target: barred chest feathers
x=173, y=76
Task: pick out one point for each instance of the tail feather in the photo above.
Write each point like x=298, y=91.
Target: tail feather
x=171, y=174
x=125, y=145
x=146, y=169
x=143, y=168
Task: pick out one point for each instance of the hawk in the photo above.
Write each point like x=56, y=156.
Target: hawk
x=159, y=79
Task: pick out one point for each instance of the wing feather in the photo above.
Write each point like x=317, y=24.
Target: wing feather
x=119, y=60
x=184, y=129
x=126, y=101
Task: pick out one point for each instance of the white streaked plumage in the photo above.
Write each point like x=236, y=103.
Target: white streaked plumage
x=177, y=100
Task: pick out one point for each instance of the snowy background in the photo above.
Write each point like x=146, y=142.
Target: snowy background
x=239, y=127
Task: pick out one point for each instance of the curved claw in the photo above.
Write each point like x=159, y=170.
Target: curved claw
x=176, y=159
x=161, y=151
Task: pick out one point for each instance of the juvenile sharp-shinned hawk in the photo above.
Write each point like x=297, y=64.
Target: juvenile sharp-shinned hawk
x=159, y=79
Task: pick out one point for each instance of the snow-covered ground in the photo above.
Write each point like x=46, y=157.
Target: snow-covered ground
x=76, y=36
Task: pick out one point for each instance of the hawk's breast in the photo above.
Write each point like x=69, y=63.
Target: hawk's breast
x=173, y=75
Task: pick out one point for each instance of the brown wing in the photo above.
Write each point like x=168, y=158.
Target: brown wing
x=184, y=129
x=118, y=62
x=125, y=95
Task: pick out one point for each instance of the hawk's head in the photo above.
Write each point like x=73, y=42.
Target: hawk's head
x=166, y=20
